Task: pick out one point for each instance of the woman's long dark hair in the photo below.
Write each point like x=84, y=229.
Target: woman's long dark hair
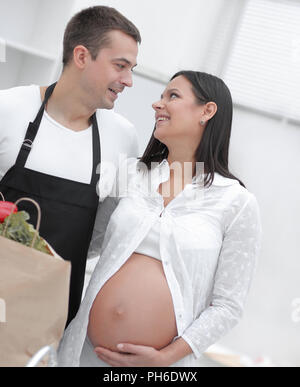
x=214, y=144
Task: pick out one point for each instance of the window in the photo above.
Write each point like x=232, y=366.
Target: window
x=263, y=67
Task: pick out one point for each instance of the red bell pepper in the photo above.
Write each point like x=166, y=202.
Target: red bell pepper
x=6, y=208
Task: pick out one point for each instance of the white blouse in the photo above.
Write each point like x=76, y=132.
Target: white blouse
x=209, y=242
x=150, y=245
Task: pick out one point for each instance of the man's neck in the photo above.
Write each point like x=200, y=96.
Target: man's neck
x=66, y=106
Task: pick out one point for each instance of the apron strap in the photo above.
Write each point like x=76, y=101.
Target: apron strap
x=96, y=151
x=33, y=128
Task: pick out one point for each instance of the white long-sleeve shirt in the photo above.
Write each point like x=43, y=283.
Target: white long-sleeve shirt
x=209, y=242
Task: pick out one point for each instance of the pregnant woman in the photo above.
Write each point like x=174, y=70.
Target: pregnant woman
x=178, y=251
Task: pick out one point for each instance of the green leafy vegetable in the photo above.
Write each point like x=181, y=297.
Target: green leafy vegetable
x=20, y=231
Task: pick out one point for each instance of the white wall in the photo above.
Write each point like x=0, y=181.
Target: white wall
x=136, y=105
x=174, y=35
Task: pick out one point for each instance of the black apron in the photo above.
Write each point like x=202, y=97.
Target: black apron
x=68, y=207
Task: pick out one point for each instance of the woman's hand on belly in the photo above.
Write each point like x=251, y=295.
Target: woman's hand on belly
x=132, y=355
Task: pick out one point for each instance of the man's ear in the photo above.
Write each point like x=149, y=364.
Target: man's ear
x=80, y=56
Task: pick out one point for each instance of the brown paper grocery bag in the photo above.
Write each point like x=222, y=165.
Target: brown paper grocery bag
x=34, y=294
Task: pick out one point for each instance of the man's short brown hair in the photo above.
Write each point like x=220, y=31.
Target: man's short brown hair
x=90, y=28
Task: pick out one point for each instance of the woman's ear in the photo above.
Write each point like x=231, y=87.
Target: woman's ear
x=210, y=109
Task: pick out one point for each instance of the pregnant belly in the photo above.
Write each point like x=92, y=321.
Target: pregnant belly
x=134, y=306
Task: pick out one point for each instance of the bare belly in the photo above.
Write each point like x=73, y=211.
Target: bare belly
x=134, y=306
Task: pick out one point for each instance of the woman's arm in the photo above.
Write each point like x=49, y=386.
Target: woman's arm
x=236, y=263
x=176, y=351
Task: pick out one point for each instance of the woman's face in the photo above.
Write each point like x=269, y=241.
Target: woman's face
x=178, y=116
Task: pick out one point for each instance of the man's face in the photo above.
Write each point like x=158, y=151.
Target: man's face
x=107, y=76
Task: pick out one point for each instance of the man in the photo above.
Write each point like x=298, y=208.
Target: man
x=54, y=159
